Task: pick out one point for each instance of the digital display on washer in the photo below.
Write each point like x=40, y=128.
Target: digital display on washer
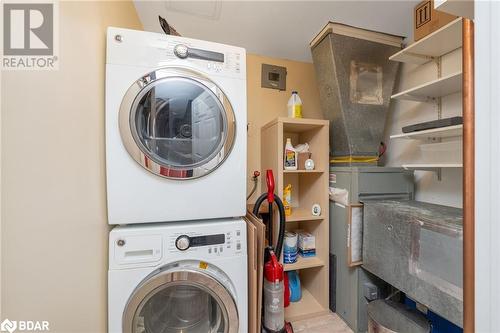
x=206, y=55
x=207, y=240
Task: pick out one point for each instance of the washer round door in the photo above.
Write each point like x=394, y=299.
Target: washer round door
x=177, y=123
x=182, y=300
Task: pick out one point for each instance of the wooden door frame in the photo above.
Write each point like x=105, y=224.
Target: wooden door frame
x=468, y=172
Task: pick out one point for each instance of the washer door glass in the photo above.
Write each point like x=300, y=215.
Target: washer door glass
x=182, y=299
x=182, y=124
x=180, y=309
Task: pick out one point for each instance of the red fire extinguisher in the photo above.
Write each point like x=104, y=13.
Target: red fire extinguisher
x=274, y=309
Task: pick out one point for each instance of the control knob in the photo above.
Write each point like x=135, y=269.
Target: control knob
x=182, y=243
x=181, y=51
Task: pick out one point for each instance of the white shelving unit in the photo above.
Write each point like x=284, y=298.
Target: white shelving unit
x=429, y=91
x=432, y=134
x=433, y=46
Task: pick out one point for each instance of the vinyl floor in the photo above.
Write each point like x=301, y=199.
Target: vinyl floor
x=330, y=323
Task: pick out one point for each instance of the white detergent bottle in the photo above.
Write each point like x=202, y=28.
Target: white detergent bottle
x=290, y=162
x=295, y=106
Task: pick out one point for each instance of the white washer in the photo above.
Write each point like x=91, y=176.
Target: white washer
x=178, y=277
x=176, y=123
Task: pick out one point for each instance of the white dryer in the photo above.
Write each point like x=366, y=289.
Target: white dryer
x=175, y=128
x=178, y=277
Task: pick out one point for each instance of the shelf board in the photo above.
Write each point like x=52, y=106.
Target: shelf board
x=431, y=166
x=302, y=263
x=434, y=133
x=303, y=171
x=436, y=44
x=307, y=307
x=297, y=125
x=301, y=214
x=428, y=91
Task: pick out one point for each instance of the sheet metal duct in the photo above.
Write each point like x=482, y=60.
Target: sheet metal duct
x=386, y=316
x=356, y=81
x=417, y=248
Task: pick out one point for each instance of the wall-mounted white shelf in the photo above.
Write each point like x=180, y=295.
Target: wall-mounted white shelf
x=435, y=45
x=431, y=166
x=464, y=8
x=432, y=134
x=432, y=48
x=429, y=91
x=454, y=147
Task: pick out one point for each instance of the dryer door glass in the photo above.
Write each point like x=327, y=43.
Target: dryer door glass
x=183, y=125
x=182, y=308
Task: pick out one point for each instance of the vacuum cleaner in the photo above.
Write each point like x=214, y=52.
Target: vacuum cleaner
x=273, y=316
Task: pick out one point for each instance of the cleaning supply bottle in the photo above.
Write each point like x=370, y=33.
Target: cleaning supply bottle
x=287, y=199
x=290, y=162
x=295, y=106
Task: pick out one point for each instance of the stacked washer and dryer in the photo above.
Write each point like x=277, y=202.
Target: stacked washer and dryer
x=176, y=184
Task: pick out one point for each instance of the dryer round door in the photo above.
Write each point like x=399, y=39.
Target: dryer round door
x=177, y=123
x=182, y=301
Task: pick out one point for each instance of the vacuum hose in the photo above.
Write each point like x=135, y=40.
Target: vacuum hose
x=281, y=210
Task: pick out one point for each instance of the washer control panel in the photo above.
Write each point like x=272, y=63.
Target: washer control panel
x=216, y=244
x=150, y=245
x=184, y=242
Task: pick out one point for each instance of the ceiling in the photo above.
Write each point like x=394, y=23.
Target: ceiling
x=281, y=29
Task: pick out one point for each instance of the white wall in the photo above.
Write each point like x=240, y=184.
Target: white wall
x=1, y=316
x=54, y=228
x=448, y=191
x=487, y=162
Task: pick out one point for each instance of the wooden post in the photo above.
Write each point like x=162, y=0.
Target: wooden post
x=468, y=173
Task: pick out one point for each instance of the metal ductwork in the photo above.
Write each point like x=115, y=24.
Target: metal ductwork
x=356, y=81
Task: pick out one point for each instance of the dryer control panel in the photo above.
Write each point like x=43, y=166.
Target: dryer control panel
x=215, y=61
x=139, y=48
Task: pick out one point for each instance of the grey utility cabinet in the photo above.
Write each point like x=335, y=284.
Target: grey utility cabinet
x=349, y=284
